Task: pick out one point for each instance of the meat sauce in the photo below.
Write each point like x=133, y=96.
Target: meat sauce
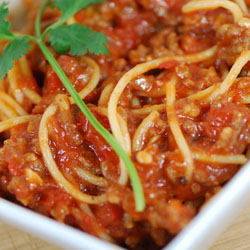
x=137, y=31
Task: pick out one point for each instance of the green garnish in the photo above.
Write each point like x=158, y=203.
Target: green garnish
x=69, y=9
x=77, y=40
x=4, y=25
x=14, y=50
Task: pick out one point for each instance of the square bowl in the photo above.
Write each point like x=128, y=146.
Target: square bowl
x=198, y=234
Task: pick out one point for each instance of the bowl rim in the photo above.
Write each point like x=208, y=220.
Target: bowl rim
x=200, y=233
x=49, y=229
x=216, y=215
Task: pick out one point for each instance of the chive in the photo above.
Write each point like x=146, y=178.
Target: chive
x=134, y=178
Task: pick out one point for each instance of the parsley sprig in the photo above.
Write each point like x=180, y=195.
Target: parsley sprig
x=76, y=40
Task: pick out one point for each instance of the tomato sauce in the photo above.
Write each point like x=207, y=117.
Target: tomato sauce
x=137, y=31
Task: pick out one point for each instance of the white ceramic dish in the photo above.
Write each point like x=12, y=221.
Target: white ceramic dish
x=198, y=235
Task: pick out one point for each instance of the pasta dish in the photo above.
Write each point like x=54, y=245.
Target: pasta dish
x=174, y=92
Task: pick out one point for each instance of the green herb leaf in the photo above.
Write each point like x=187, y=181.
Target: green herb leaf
x=18, y=47
x=70, y=8
x=4, y=25
x=78, y=39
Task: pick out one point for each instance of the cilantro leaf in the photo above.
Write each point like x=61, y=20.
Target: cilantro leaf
x=78, y=39
x=18, y=47
x=4, y=25
x=70, y=8
x=3, y=11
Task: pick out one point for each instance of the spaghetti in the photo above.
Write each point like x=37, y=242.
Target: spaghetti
x=174, y=92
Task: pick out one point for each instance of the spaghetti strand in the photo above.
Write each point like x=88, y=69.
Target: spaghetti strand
x=51, y=164
x=138, y=70
x=176, y=130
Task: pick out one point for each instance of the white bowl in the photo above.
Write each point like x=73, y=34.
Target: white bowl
x=216, y=215
x=198, y=235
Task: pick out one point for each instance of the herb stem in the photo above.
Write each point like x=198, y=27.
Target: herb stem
x=12, y=37
x=135, y=181
x=134, y=178
x=39, y=18
x=6, y=37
